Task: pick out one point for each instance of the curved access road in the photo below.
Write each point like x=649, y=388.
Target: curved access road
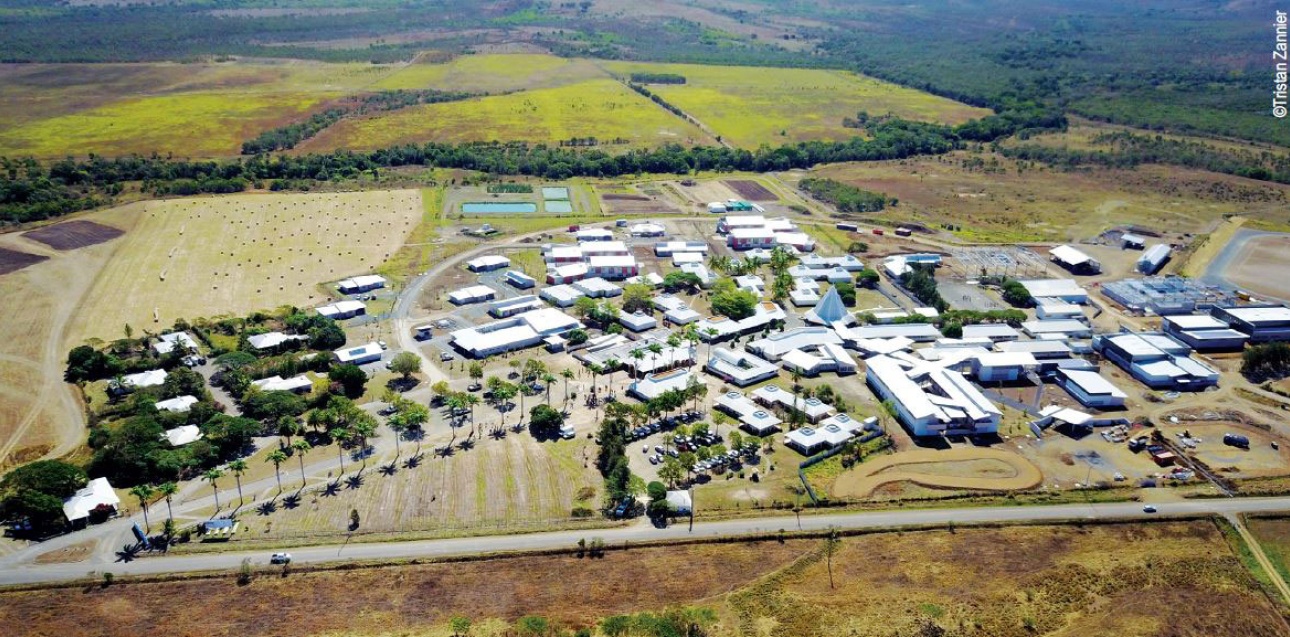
x=158, y=565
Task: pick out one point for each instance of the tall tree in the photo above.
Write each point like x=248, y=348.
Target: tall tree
x=300, y=448
x=277, y=457
x=167, y=491
x=211, y=476
x=143, y=492
x=238, y=467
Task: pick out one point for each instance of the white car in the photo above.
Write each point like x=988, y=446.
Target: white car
x=280, y=558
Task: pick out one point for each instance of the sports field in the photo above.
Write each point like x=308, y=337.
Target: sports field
x=971, y=469
x=750, y=106
x=602, y=108
x=1246, y=260
x=188, y=258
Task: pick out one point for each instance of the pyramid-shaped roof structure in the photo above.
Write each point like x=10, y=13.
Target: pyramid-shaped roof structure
x=829, y=310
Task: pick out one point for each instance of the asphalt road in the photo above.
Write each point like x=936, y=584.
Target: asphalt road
x=155, y=565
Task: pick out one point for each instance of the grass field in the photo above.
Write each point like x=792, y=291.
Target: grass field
x=492, y=73
x=602, y=108
x=188, y=258
x=187, y=109
x=750, y=106
x=1165, y=578
x=997, y=200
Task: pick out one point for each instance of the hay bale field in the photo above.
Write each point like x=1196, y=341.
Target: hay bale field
x=190, y=258
x=750, y=106
x=600, y=108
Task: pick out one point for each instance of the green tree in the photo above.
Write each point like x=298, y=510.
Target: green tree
x=638, y=297
x=277, y=457
x=460, y=626
x=868, y=278
x=36, y=491
x=545, y=422
x=734, y=303
x=351, y=378
x=211, y=476
x=405, y=364
x=143, y=492
x=681, y=280
x=300, y=448
x=238, y=467
x=656, y=490
x=168, y=491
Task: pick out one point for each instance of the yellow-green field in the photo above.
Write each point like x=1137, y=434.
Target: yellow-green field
x=601, y=108
x=187, y=109
x=750, y=106
x=493, y=73
x=188, y=258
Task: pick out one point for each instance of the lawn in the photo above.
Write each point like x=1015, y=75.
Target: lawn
x=492, y=73
x=602, y=108
x=751, y=106
x=190, y=258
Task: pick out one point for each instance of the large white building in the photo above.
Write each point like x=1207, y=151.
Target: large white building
x=369, y=353
x=654, y=385
x=775, y=346
x=828, y=434
x=341, y=310
x=487, y=263
x=1262, y=322
x=472, y=294
x=361, y=284
x=935, y=401
x=739, y=368
x=753, y=418
x=1156, y=360
x=1091, y=389
x=1065, y=289
x=518, y=332
x=1075, y=260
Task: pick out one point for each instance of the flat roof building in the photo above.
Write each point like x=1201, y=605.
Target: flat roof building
x=1091, y=389
x=341, y=310
x=472, y=294
x=561, y=295
x=813, y=409
x=753, y=418
x=1204, y=333
x=1075, y=260
x=369, y=353
x=510, y=307
x=488, y=263
x=739, y=368
x=1156, y=361
x=938, y=402
x=1065, y=289
x=597, y=288
x=775, y=346
x=518, y=332
x=829, y=434
x=520, y=280
x=1262, y=322
x=996, y=332
x=361, y=284
x=638, y=321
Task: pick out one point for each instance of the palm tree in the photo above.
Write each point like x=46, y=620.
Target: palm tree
x=211, y=476
x=469, y=401
x=364, y=426
x=288, y=426
x=168, y=489
x=456, y=402
x=547, y=379
x=612, y=365
x=504, y=393
x=144, y=492
x=692, y=336
x=238, y=467
x=341, y=435
x=398, y=426
x=277, y=457
x=568, y=375
x=595, y=371
x=638, y=355
x=712, y=333
x=655, y=349
x=301, y=447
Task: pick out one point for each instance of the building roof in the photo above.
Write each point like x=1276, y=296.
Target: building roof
x=780, y=343
x=612, y=261
x=514, y=305
x=1035, y=347
x=1195, y=322
x=1259, y=314
x=568, y=271
x=1055, y=326
x=637, y=321
x=742, y=367
x=1058, y=288
x=682, y=315
x=273, y=339
x=97, y=493
x=341, y=307
x=471, y=294
x=562, y=294
x=364, y=281
x=150, y=378
x=991, y=330
x=488, y=261
x=180, y=436
x=829, y=310
x=654, y=385
x=593, y=248
x=178, y=404
x=168, y=342
x=647, y=229
x=1070, y=256
x=686, y=257
x=812, y=407
x=516, y=275
x=278, y=383
x=597, y=286
x=592, y=233
x=350, y=354
x=563, y=252
x=916, y=331
x=1006, y=359
x=1092, y=383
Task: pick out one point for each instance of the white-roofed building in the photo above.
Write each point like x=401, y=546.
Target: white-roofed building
x=752, y=417
x=297, y=384
x=566, y=273
x=518, y=332
x=1065, y=289
x=637, y=321
x=699, y=270
x=847, y=262
x=150, y=378
x=183, y=435
x=749, y=238
x=775, y=346
x=916, y=332
x=167, y=343
x=828, y=434
x=647, y=230
x=829, y=311
x=520, y=280
x=669, y=248
x=1068, y=328
x=682, y=315
x=680, y=258
x=593, y=235
x=613, y=267
x=361, y=284
x=1152, y=260
x=1156, y=361
x=604, y=249
x=805, y=297
x=597, y=288
x=488, y=263
x=732, y=222
x=98, y=495
x=797, y=240
x=1091, y=389
x=1075, y=260
x=362, y=355
x=813, y=409
x=1040, y=350
x=177, y=405
x=1047, y=308
x=764, y=314
x=738, y=368
x=561, y=295
x=271, y=340
x=996, y=332
x=341, y=310
x=510, y=307
x=654, y=385
x=992, y=367
x=935, y=402
x=1133, y=241
x=559, y=254
x=1203, y=332
x=1262, y=322
x=472, y=294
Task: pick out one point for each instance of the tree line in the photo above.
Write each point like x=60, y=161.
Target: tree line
x=286, y=137
x=658, y=78
x=845, y=197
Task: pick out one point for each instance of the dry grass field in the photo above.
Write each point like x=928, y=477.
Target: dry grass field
x=600, y=108
x=188, y=258
x=1166, y=579
x=750, y=106
x=492, y=73
x=995, y=199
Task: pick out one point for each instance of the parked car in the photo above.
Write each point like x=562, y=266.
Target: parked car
x=280, y=558
x=446, y=356
x=653, y=459
x=567, y=432
x=474, y=387
x=1149, y=509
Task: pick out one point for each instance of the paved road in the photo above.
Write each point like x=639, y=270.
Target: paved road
x=27, y=574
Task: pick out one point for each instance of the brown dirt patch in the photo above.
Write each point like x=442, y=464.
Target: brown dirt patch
x=751, y=190
x=1259, y=256
x=564, y=589
x=613, y=197
x=969, y=468
x=13, y=260
x=68, y=554
x=74, y=234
